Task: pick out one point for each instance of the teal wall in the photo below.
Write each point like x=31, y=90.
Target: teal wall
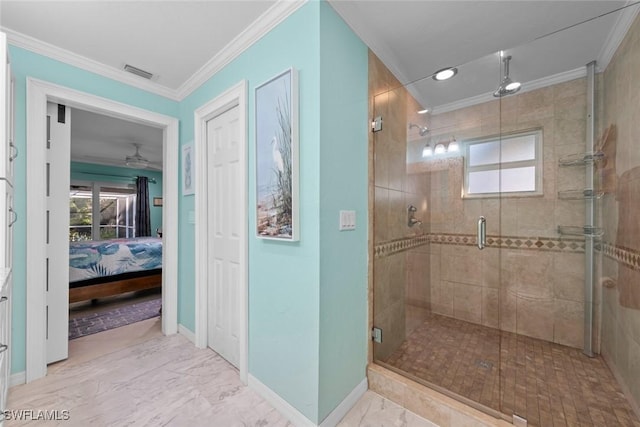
x=343, y=186
x=25, y=63
x=307, y=299
x=102, y=173
x=283, y=277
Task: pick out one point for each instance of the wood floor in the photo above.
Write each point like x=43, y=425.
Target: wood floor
x=134, y=375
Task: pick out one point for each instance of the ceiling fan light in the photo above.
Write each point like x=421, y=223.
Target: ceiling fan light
x=137, y=163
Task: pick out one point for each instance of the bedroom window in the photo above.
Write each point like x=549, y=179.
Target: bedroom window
x=101, y=212
x=508, y=165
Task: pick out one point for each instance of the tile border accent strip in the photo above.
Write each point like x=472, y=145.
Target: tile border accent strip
x=626, y=256
x=399, y=245
x=630, y=258
x=547, y=244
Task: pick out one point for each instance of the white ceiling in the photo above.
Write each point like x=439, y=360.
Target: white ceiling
x=545, y=38
x=171, y=39
x=179, y=40
x=108, y=141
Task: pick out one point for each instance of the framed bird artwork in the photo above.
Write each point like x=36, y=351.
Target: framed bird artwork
x=276, y=143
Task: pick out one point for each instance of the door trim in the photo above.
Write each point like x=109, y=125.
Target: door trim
x=38, y=94
x=234, y=96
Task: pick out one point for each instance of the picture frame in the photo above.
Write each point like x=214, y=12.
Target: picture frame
x=277, y=163
x=188, y=175
x=157, y=201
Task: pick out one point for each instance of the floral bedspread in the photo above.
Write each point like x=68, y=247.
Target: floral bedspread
x=99, y=258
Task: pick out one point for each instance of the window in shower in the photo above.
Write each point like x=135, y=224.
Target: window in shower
x=500, y=165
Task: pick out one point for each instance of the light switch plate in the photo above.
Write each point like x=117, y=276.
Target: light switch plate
x=347, y=220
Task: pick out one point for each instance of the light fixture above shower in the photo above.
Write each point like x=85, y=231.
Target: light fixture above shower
x=507, y=86
x=422, y=130
x=453, y=145
x=449, y=147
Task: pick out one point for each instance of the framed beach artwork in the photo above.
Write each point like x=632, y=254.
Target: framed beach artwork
x=188, y=176
x=276, y=103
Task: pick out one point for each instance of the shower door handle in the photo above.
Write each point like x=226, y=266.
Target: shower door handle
x=482, y=232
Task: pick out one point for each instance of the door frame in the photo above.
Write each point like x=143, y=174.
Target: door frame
x=38, y=94
x=234, y=96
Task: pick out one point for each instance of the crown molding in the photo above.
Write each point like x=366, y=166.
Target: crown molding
x=54, y=52
x=616, y=35
x=526, y=87
x=254, y=32
x=261, y=26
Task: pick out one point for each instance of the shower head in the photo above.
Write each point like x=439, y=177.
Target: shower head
x=422, y=130
x=507, y=86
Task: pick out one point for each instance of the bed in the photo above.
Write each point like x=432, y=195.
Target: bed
x=102, y=268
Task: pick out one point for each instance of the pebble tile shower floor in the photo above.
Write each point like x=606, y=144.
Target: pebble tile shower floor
x=546, y=383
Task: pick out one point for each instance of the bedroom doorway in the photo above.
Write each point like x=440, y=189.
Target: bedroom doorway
x=39, y=93
x=115, y=265
x=221, y=226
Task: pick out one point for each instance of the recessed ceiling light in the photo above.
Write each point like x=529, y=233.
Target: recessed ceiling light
x=445, y=74
x=513, y=86
x=425, y=111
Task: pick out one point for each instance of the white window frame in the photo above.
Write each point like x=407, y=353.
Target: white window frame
x=95, y=189
x=536, y=162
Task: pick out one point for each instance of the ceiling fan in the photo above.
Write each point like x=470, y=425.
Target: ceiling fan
x=117, y=156
x=136, y=161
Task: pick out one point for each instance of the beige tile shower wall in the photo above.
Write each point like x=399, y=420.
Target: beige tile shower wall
x=401, y=278
x=621, y=180
x=388, y=304
x=528, y=291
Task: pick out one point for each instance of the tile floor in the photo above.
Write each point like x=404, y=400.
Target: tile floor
x=546, y=383
x=134, y=375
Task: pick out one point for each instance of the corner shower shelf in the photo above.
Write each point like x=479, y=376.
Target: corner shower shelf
x=586, y=231
x=579, y=194
x=581, y=159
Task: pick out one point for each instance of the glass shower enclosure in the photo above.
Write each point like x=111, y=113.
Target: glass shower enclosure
x=495, y=229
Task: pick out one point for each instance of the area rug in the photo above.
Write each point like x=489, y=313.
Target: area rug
x=111, y=319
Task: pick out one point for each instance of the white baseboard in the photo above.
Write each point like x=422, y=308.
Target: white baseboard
x=345, y=406
x=18, y=378
x=292, y=414
x=296, y=417
x=182, y=330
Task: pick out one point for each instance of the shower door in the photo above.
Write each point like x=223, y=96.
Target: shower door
x=437, y=259
x=473, y=286
x=484, y=237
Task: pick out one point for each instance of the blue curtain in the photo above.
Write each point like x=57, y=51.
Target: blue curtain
x=143, y=218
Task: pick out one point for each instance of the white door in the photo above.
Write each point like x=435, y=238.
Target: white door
x=57, y=229
x=224, y=218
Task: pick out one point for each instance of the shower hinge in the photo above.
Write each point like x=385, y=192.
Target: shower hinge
x=376, y=124
x=376, y=334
